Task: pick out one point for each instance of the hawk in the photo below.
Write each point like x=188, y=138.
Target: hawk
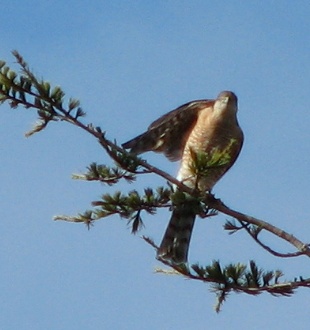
x=208, y=127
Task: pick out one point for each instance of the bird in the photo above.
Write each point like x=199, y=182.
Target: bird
x=206, y=127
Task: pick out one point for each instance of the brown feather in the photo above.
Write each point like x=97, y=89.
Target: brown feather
x=169, y=133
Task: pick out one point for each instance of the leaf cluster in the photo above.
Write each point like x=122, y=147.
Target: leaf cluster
x=26, y=90
x=105, y=174
x=241, y=278
x=202, y=161
x=128, y=206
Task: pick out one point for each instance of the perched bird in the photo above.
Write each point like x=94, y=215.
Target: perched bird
x=208, y=127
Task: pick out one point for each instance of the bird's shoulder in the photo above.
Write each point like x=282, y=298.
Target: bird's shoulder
x=184, y=114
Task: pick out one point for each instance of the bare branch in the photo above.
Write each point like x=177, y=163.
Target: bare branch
x=303, y=248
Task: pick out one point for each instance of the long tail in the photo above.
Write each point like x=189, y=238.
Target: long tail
x=175, y=243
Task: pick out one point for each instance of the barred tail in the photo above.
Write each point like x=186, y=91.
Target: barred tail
x=175, y=243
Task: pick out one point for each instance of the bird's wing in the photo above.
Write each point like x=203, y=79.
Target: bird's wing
x=168, y=134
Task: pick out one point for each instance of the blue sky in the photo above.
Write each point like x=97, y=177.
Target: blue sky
x=128, y=63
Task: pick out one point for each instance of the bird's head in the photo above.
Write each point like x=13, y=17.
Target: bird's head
x=226, y=101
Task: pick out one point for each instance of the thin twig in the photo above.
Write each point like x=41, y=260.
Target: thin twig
x=221, y=207
x=266, y=247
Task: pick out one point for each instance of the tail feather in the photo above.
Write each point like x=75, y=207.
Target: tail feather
x=175, y=243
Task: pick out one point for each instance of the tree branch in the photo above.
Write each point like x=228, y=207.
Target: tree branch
x=217, y=204
x=28, y=91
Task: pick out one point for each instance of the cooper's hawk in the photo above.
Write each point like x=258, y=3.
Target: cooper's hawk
x=203, y=127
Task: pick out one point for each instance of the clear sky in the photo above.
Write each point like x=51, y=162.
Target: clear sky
x=130, y=62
